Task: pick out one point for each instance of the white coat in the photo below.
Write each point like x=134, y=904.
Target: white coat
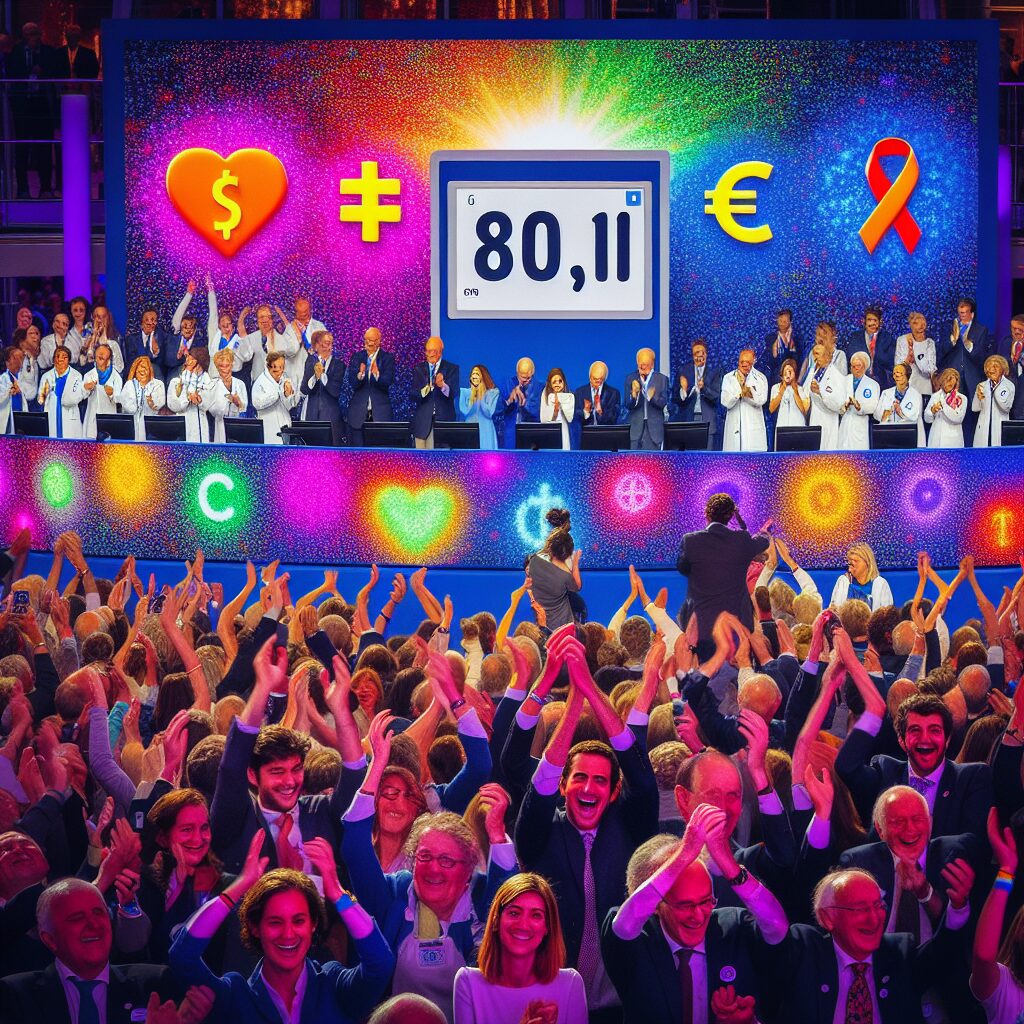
x=745, y=429
x=222, y=408
x=135, y=402
x=826, y=404
x=197, y=426
x=567, y=409
x=909, y=411
x=993, y=410
x=28, y=393
x=49, y=345
x=788, y=413
x=213, y=335
x=922, y=365
x=253, y=351
x=86, y=356
x=296, y=364
x=855, y=426
x=98, y=401
x=71, y=417
x=948, y=423
x=272, y=405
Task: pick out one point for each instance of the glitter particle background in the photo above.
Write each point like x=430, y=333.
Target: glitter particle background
x=324, y=106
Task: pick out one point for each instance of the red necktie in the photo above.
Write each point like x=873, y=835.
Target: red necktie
x=871, y=345
x=287, y=855
x=1017, y=346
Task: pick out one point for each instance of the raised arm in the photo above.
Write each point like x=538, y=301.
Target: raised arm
x=431, y=605
x=226, y=619
x=988, y=936
x=510, y=613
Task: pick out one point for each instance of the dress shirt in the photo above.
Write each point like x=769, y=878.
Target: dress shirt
x=73, y=996
x=930, y=791
x=282, y=1008
x=699, y=974
x=846, y=962
x=323, y=377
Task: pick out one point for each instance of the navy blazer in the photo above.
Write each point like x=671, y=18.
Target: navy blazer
x=548, y=843
x=877, y=859
x=134, y=346
x=771, y=364
x=654, y=407
x=436, y=406
x=968, y=364
x=885, y=353
x=509, y=415
x=644, y=972
x=325, y=395
x=171, y=361
x=370, y=390
x=710, y=394
x=610, y=409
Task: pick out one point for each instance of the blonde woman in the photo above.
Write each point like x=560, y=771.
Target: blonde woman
x=916, y=351
x=993, y=400
x=143, y=394
x=902, y=404
x=945, y=411
x=861, y=580
x=230, y=396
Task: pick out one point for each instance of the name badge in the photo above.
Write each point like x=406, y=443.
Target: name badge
x=432, y=954
x=138, y=1016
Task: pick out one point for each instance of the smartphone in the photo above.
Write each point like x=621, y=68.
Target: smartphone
x=158, y=604
x=21, y=602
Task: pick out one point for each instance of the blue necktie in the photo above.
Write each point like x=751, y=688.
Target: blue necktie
x=87, y=1010
x=698, y=375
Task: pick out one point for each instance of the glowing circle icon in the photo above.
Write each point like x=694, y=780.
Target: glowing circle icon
x=57, y=485
x=211, y=480
x=633, y=493
x=927, y=494
x=531, y=525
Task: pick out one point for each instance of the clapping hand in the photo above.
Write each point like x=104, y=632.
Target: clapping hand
x=728, y=1007
x=959, y=876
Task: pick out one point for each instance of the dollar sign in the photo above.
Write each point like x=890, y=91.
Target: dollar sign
x=225, y=227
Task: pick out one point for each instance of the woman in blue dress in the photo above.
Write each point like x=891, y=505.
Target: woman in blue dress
x=478, y=404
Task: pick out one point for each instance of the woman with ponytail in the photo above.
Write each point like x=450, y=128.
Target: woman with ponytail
x=555, y=572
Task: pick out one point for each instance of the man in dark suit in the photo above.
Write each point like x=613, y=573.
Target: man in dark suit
x=715, y=563
x=646, y=395
x=583, y=847
x=1011, y=348
x=670, y=955
x=179, y=344
x=270, y=760
x=74, y=924
x=781, y=344
x=150, y=341
x=699, y=389
x=958, y=795
x=371, y=372
x=32, y=109
x=75, y=60
x=435, y=389
x=879, y=344
x=322, y=380
x=520, y=397
x=965, y=350
x=596, y=402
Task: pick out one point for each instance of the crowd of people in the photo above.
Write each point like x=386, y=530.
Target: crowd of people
x=268, y=807
x=285, y=368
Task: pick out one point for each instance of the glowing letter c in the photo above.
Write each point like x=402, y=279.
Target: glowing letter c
x=219, y=479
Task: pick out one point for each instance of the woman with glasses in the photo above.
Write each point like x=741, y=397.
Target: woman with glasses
x=522, y=973
x=432, y=915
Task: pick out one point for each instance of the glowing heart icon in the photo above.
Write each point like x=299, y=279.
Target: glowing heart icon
x=226, y=199
x=415, y=521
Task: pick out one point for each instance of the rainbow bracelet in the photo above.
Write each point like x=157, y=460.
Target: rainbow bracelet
x=1003, y=882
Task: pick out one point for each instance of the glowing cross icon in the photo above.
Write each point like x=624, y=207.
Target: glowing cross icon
x=368, y=211
x=633, y=493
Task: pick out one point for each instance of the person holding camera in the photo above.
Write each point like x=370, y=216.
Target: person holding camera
x=861, y=580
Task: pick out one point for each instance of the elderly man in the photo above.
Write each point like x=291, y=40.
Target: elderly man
x=878, y=344
x=647, y=393
x=744, y=393
x=16, y=391
x=699, y=392
x=256, y=346
x=435, y=387
x=301, y=327
x=323, y=377
x=670, y=954
x=520, y=397
x=1011, y=348
x=596, y=402
x=828, y=396
x=371, y=372
x=23, y=871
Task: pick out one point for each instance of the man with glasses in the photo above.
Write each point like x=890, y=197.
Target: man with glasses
x=671, y=954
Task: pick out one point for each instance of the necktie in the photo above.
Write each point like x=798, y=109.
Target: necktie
x=908, y=918
x=590, y=949
x=871, y=345
x=920, y=785
x=287, y=855
x=858, y=999
x=87, y=1010
x=686, y=985
x=699, y=374
x=1018, y=347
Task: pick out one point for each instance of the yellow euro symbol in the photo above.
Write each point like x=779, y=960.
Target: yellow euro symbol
x=724, y=201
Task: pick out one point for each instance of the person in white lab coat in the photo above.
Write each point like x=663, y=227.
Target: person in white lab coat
x=862, y=394
x=222, y=333
x=61, y=336
x=917, y=352
x=143, y=394
x=301, y=327
x=16, y=390
x=102, y=386
x=827, y=387
x=103, y=331
x=744, y=393
x=273, y=396
x=60, y=391
x=230, y=395
x=789, y=402
x=558, y=404
x=993, y=401
x=264, y=341
x=945, y=411
x=902, y=404
x=824, y=334
x=190, y=394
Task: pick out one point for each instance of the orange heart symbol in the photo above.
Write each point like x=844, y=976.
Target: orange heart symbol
x=226, y=199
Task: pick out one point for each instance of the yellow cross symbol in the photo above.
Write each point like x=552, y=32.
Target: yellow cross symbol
x=368, y=211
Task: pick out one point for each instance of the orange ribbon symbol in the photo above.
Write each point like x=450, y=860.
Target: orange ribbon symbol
x=892, y=196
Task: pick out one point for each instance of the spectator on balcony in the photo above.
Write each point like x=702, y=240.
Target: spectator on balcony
x=75, y=60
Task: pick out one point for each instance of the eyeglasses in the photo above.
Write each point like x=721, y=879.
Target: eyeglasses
x=446, y=862
x=861, y=908
x=393, y=793
x=704, y=906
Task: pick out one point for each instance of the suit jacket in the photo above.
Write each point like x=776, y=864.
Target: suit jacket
x=885, y=353
x=610, y=407
x=39, y=995
x=510, y=415
x=644, y=972
x=548, y=843
x=683, y=411
x=968, y=364
x=436, y=406
x=962, y=799
x=654, y=407
x=1005, y=349
x=773, y=364
x=169, y=353
x=134, y=346
x=716, y=560
x=371, y=391
x=85, y=63
x=325, y=395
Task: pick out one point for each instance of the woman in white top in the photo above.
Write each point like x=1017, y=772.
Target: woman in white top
x=102, y=385
x=993, y=401
x=558, y=404
x=901, y=404
x=230, y=396
x=61, y=336
x=60, y=392
x=789, y=402
x=862, y=394
x=103, y=330
x=273, y=395
x=521, y=963
x=142, y=395
x=945, y=411
x=81, y=325
x=220, y=330
x=861, y=580
x=190, y=394
x=917, y=353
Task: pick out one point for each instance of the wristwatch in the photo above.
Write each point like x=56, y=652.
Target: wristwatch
x=740, y=878
x=456, y=704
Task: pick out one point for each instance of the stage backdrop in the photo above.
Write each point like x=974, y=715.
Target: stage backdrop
x=485, y=510
x=782, y=192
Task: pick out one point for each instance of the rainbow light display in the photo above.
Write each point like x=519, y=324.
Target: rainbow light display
x=486, y=509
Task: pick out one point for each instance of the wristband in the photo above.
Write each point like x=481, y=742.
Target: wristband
x=740, y=878
x=1002, y=883
x=228, y=900
x=764, y=792
x=387, y=618
x=541, y=700
x=1004, y=875
x=444, y=630
x=346, y=901
x=456, y=704
x=931, y=893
